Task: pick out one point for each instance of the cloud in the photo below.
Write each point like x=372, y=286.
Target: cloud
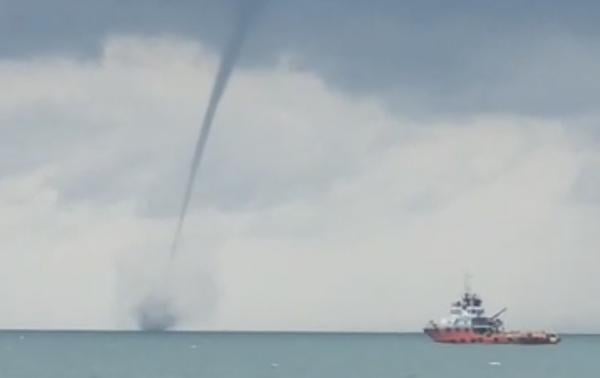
x=316, y=209
x=423, y=59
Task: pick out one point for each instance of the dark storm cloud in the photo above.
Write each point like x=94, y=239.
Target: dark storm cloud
x=427, y=57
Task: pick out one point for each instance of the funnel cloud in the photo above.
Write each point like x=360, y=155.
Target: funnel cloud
x=156, y=311
x=247, y=12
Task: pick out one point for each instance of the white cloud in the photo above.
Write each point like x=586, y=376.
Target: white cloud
x=315, y=209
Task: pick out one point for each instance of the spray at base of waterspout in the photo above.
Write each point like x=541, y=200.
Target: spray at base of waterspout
x=156, y=313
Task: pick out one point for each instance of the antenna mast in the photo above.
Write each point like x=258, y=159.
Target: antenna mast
x=467, y=279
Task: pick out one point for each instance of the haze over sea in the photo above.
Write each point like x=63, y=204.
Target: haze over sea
x=292, y=355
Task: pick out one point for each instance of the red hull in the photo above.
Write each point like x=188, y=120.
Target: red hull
x=467, y=336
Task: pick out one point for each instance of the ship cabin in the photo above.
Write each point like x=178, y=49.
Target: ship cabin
x=468, y=313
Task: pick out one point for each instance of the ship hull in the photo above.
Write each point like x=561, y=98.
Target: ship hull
x=468, y=336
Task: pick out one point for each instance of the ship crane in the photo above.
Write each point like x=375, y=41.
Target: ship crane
x=497, y=315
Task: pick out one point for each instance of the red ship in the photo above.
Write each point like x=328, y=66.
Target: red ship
x=467, y=324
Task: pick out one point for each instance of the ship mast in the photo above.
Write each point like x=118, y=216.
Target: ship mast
x=467, y=283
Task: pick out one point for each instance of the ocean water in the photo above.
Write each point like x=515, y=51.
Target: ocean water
x=231, y=355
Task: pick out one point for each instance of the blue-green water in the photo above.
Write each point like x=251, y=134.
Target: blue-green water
x=179, y=355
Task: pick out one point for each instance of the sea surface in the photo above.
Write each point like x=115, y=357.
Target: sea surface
x=291, y=355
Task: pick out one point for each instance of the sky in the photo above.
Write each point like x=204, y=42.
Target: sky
x=365, y=156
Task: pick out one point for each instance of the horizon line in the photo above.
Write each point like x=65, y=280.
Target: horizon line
x=241, y=331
